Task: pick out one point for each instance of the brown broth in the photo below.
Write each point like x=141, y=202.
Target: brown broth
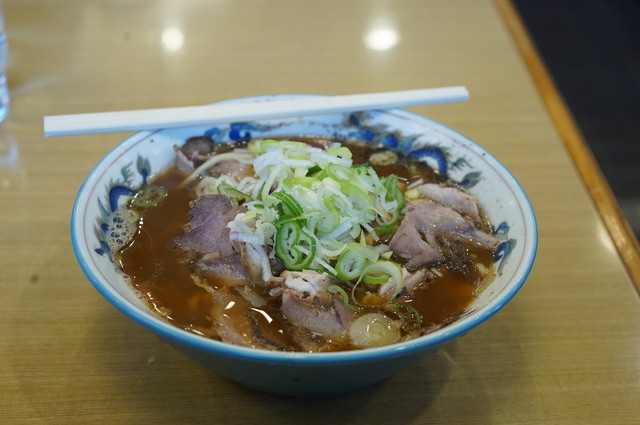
x=155, y=268
x=164, y=279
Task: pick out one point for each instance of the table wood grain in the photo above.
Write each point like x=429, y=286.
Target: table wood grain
x=566, y=350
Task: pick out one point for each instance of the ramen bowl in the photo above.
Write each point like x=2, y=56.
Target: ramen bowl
x=143, y=155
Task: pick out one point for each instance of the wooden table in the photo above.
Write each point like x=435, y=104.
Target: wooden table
x=567, y=348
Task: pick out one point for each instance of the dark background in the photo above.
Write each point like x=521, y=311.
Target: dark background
x=592, y=50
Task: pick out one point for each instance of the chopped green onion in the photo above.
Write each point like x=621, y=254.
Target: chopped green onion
x=340, y=151
x=313, y=170
x=410, y=318
x=390, y=226
x=359, y=197
x=230, y=191
x=375, y=278
x=329, y=219
x=312, y=205
x=376, y=272
x=393, y=190
x=294, y=247
x=290, y=203
x=350, y=264
x=339, y=173
x=337, y=290
x=353, y=260
x=303, y=181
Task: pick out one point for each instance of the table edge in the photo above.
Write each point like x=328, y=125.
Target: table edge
x=601, y=194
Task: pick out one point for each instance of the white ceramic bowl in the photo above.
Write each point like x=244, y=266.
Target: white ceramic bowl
x=144, y=154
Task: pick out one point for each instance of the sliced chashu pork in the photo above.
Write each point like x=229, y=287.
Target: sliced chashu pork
x=306, y=303
x=417, y=238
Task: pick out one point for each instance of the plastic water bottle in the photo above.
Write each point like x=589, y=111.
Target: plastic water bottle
x=4, y=53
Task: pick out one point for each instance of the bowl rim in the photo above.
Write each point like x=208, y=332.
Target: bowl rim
x=173, y=334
